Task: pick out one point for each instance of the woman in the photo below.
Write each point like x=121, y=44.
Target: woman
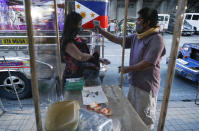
x=75, y=53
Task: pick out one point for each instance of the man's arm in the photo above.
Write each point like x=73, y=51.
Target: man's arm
x=110, y=36
x=143, y=65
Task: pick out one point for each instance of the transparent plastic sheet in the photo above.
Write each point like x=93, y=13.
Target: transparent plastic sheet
x=44, y=25
x=91, y=121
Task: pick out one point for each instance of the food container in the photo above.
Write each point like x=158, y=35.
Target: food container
x=62, y=116
x=74, y=84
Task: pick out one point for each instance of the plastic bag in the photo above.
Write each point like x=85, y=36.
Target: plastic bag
x=91, y=121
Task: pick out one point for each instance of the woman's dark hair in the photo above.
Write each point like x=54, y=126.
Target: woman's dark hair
x=70, y=29
x=149, y=14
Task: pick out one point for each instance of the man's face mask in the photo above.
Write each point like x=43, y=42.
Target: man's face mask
x=139, y=27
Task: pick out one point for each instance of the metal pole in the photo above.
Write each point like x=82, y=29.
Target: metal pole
x=58, y=50
x=102, y=46
x=124, y=40
x=172, y=62
x=197, y=94
x=12, y=84
x=2, y=107
x=34, y=80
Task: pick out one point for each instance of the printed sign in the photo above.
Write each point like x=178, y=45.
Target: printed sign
x=14, y=41
x=11, y=64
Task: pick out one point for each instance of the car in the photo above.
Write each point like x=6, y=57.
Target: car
x=187, y=63
x=193, y=19
x=163, y=21
x=187, y=28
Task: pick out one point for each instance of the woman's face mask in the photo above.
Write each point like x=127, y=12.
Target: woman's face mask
x=80, y=26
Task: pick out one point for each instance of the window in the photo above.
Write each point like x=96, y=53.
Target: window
x=195, y=17
x=188, y=17
x=166, y=18
x=160, y=18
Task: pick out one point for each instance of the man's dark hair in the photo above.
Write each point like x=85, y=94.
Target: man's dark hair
x=149, y=14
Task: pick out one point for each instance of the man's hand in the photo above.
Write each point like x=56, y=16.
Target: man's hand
x=98, y=28
x=105, y=61
x=125, y=69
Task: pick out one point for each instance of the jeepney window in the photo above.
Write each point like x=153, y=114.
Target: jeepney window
x=188, y=17
x=166, y=18
x=195, y=17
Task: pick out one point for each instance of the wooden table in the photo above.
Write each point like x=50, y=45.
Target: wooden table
x=121, y=108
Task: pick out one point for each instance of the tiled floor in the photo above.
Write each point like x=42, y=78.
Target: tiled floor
x=181, y=116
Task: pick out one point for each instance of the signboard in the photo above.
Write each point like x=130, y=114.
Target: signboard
x=14, y=41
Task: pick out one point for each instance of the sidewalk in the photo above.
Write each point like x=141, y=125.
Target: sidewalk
x=181, y=116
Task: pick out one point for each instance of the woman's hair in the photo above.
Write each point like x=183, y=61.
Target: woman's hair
x=149, y=14
x=71, y=25
x=70, y=28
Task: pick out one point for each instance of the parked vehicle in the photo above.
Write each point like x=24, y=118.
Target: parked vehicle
x=163, y=21
x=130, y=26
x=187, y=63
x=187, y=28
x=193, y=19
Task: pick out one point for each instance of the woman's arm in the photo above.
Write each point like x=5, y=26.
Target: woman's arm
x=76, y=53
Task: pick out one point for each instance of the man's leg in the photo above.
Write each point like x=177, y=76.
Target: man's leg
x=145, y=105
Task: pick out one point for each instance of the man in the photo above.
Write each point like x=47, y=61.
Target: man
x=112, y=27
x=147, y=48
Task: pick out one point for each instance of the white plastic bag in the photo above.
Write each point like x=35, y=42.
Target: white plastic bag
x=91, y=121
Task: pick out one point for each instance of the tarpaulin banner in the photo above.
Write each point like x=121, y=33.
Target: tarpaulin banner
x=92, y=10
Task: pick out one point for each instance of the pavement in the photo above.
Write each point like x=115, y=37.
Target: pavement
x=181, y=116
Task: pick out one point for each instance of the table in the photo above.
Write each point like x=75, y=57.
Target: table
x=121, y=108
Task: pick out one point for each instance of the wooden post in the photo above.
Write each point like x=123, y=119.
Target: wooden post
x=34, y=80
x=172, y=62
x=58, y=49
x=124, y=40
x=66, y=7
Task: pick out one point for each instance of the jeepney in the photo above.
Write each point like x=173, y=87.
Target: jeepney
x=14, y=54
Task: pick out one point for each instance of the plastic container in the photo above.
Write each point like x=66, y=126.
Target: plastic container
x=62, y=116
x=74, y=84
